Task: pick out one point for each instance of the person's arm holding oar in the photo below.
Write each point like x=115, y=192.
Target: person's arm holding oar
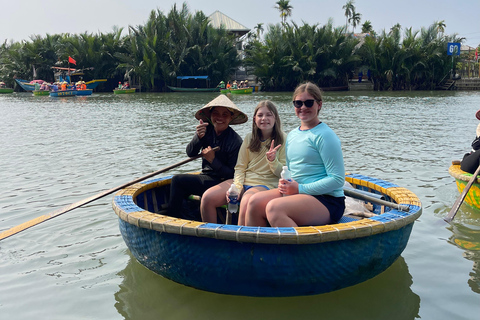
x=38, y=220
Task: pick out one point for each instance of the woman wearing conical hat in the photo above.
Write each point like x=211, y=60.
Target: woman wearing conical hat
x=213, y=130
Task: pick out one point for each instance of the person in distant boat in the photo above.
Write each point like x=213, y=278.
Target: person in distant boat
x=214, y=130
x=119, y=85
x=229, y=85
x=126, y=85
x=314, y=194
x=258, y=167
x=2, y=84
x=235, y=86
x=471, y=160
x=64, y=86
x=221, y=85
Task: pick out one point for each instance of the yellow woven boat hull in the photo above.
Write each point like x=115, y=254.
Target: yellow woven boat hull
x=461, y=179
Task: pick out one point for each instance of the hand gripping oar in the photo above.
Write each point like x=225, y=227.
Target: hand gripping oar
x=351, y=192
x=34, y=222
x=460, y=199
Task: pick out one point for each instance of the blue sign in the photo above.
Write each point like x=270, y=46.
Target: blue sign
x=453, y=48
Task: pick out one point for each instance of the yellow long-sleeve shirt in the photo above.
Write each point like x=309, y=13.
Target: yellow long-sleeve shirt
x=253, y=168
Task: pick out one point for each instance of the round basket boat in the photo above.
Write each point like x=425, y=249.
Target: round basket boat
x=265, y=261
x=461, y=178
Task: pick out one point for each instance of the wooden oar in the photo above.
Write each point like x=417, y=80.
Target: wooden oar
x=460, y=199
x=351, y=192
x=34, y=222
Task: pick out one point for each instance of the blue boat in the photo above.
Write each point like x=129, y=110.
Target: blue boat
x=265, y=261
x=63, y=93
x=86, y=92
x=28, y=86
x=69, y=75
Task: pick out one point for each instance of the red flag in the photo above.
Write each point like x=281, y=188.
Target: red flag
x=476, y=54
x=70, y=60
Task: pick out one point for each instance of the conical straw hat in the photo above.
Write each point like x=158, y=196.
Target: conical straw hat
x=222, y=101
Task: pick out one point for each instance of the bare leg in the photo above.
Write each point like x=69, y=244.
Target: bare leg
x=214, y=197
x=296, y=210
x=256, y=214
x=244, y=203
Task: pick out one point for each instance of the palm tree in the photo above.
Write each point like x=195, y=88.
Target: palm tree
x=285, y=9
x=441, y=26
x=349, y=8
x=259, y=29
x=355, y=20
x=367, y=27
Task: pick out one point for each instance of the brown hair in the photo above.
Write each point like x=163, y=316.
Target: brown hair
x=277, y=133
x=311, y=88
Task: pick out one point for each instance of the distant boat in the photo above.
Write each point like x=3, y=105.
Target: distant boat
x=86, y=92
x=6, y=90
x=241, y=90
x=63, y=93
x=193, y=84
x=61, y=74
x=124, y=91
x=179, y=89
x=41, y=92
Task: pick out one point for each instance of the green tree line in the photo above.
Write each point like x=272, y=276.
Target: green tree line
x=181, y=43
x=166, y=46
x=330, y=56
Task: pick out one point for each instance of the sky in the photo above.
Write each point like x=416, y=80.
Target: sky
x=19, y=20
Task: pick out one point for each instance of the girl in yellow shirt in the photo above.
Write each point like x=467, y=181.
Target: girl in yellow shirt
x=260, y=161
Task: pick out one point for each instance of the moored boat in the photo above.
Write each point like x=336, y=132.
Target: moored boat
x=63, y=93
x=84, y=92
x=61, y=75
x=461, y=179
x=241, y=90
x=6, y=90
x=180, y=89
x=265, y=261
x=124, y=91
x=193, y=84
x=41, y=92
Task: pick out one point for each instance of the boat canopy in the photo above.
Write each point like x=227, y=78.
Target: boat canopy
x=192, y=77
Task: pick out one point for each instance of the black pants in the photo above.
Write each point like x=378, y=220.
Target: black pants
x=184, y=185
x=470, y=162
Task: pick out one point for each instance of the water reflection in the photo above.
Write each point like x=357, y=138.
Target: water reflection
x=467, y=238
x=146, y=295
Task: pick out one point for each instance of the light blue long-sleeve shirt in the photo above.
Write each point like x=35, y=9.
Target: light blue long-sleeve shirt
x=315, y=160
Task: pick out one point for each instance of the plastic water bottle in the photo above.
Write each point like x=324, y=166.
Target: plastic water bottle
x=286, y=175
x=233, y=194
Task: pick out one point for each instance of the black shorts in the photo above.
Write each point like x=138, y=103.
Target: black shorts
x=335, y=206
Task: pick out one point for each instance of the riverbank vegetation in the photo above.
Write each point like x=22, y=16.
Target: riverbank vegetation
x=181, y=43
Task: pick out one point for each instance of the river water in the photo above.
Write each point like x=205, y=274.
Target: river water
x=56, y=151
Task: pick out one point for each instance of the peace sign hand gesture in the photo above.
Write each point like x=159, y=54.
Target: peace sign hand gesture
x=272, y=153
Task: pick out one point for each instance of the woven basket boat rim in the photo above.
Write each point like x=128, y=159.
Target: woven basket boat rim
x=389, y=221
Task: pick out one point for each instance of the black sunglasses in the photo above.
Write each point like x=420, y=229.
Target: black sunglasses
x=299, y=103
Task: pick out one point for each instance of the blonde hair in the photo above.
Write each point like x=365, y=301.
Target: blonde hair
x=277, y=133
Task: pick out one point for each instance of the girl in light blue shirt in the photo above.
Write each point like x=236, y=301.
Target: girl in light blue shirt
x=314, y=196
